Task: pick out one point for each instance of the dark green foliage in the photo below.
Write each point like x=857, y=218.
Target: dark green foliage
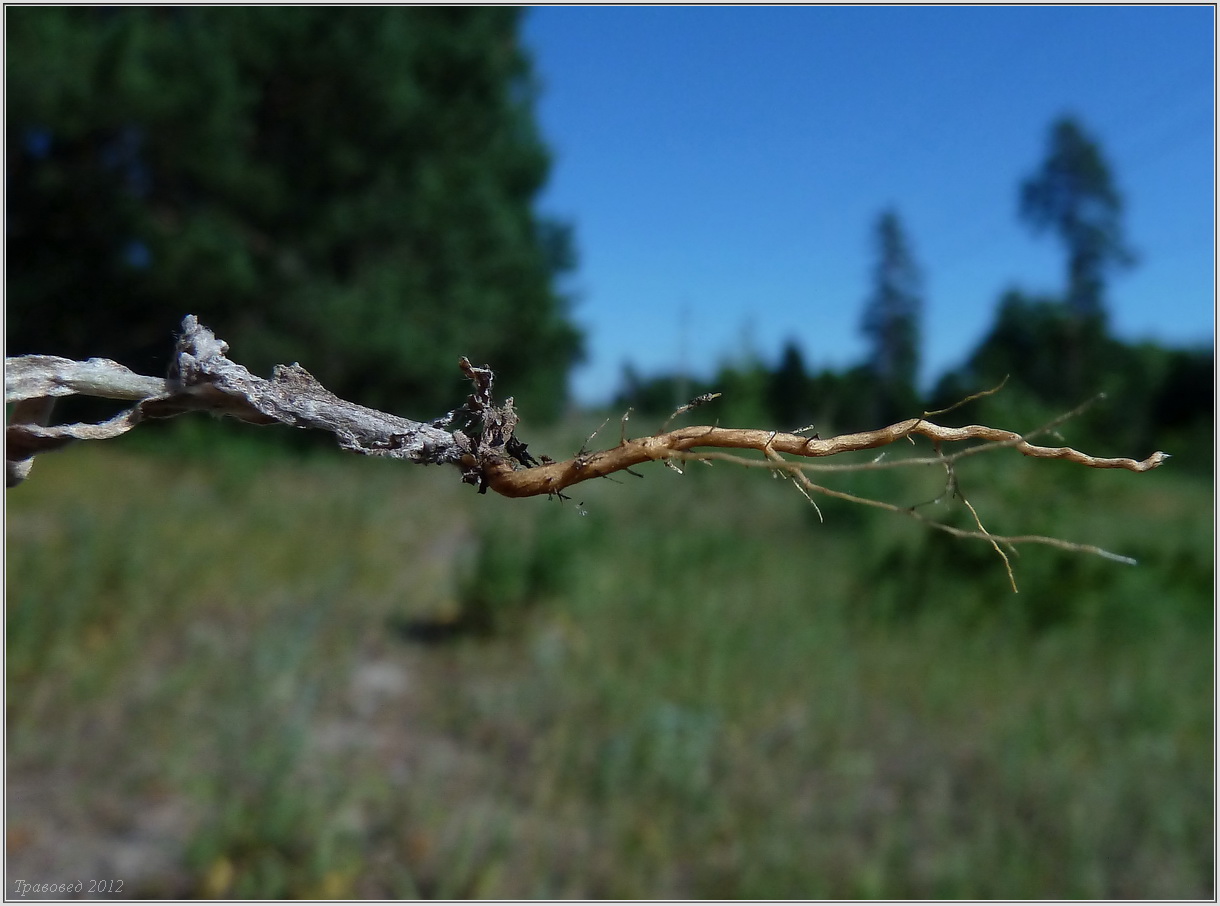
x=1188, y=389
x=1030, y=342
x=843, y=400
x=788, y=389
x=350, y=188
x=1155, y=398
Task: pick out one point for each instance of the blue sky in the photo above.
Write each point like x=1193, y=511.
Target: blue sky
x=724, y=166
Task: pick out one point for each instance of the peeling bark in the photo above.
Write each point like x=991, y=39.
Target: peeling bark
x=202, y=378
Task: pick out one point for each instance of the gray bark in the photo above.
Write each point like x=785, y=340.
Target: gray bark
x=202, y=378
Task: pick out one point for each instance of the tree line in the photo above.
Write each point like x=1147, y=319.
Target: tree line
x=1052, y=351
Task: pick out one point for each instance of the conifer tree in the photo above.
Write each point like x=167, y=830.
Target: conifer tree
x=1073, y=194
x=353, y=187
x=892, y=317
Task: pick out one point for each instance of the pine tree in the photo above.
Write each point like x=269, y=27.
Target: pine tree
x=892, y=317
x=1073, y=194
x=352, y=188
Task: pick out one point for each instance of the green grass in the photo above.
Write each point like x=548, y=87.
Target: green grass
x=681, y=686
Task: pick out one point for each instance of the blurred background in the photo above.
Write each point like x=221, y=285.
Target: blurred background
x=242, y=664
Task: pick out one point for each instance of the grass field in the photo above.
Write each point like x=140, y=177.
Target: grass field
x=258, y=674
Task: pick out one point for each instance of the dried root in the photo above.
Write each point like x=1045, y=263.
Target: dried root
x=479, y=437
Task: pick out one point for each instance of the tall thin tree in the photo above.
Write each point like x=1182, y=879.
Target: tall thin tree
x=1073, y=194
x=892, y=315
